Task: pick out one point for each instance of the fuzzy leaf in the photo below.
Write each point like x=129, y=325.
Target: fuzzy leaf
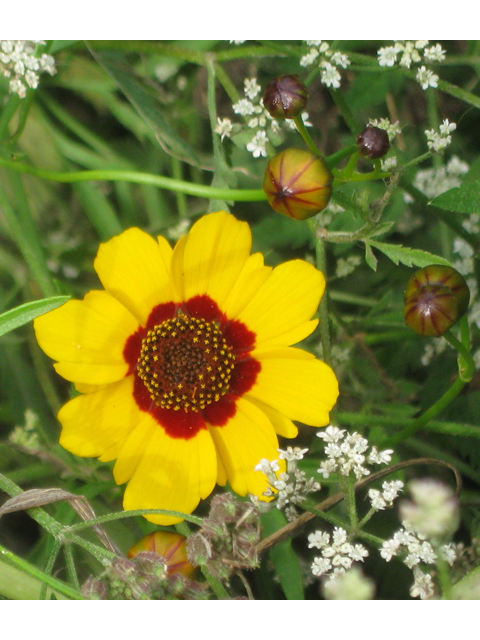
x=19, y=316
x=409, y=257
x=464, y=199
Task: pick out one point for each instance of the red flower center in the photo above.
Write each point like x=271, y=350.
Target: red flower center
x=185, y=363
x=183, y=347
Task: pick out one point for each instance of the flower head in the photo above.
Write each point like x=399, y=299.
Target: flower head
x=19, y=63
x=184, y=363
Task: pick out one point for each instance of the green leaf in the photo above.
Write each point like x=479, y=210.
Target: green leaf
x=370, y=258
x=146, y=104
x=19, y=316
x=283, y=557
x=464, y=199
x=409, y=257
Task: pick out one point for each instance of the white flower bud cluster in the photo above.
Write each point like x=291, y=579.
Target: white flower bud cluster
x=349, y=453
x=438, y=141
x=289, y=488
x=328, y=61
x=18, y=62
x=338, y=554
x=408, y=52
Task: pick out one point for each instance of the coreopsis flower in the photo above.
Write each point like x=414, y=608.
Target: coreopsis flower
x=185, y=365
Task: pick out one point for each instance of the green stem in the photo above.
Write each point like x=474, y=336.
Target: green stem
x=130, y=514
x=338, y=156
x=31, y=570
x=307, y=138
x=433, y=411
x=163, y=182
x=323, y=309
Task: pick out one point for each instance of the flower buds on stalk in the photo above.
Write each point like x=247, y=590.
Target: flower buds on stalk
x=298, y=183
x=285, y=97
x=373, y=142
x=435, y=298
x=170, y=546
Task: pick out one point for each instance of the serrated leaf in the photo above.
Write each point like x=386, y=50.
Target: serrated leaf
x=146, y=105
x=382, y=228
x=463, y=199
x=283, y=557
x=370, y=259
x=409, y=257
x=19, y=316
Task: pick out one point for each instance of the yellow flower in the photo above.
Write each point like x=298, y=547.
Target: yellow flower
x=184, y=363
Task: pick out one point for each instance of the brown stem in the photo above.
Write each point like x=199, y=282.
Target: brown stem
x=292, y=527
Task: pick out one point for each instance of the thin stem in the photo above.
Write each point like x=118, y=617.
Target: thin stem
x=163, y=182
x=307, y=138
x=130, y=514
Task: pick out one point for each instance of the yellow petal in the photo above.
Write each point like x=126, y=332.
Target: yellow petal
x=249, y=281
x=172, y=474
x=287, y=300
x=132, y=449
x=91, y=373
x=92, y=331
x=134, y=268
x=242, y=443
x=283, y=426
x=301, y=389
x=93, y=423
x=215, y=252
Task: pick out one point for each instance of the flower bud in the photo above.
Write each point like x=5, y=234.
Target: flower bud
x=435, y=298
x=373, y=142
x=170, y=546
x=298, y=183
x=285, y=97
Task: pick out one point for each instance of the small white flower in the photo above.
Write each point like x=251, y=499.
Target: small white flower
x=387, y=56
x=318, y=539
x=389, y=164
x=252, y=88
x=257, y=146
x=266, y=466
x=243, y=107
x=330, y=76
x=434, y=54
x=292, y=453
x=423, y=585
x=320, y=566
x=426, y=78
x=224, y=127
x=349, y=585
x=309, y=58
x=340, y=59
x=331, y=434
x=389, y=549
x=434, y=511
x=392, y=129
x=376, y=499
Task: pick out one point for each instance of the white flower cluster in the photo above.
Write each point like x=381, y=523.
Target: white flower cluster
x=350, y=585
x=408, y=52
x=392, y=128
x=328, y=61
x=433, y=182
x=348, y=453
x=382, y=499
x=439, y=140
x=18, y=62
x=289, y=488
x=416, y=549
x=257, y=120
x=338, y=554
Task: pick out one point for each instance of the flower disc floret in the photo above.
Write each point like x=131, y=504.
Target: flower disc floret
x=184, y=364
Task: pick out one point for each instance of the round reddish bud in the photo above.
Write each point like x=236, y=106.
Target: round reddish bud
x=435, y=298
x=171, y=547
x=298, y=183
x=373, y=142
x=285, y=97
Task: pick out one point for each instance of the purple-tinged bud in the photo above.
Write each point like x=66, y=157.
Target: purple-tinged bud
x=298, y=183
x=285, y=97
x=373, y=142
x=435, y=298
